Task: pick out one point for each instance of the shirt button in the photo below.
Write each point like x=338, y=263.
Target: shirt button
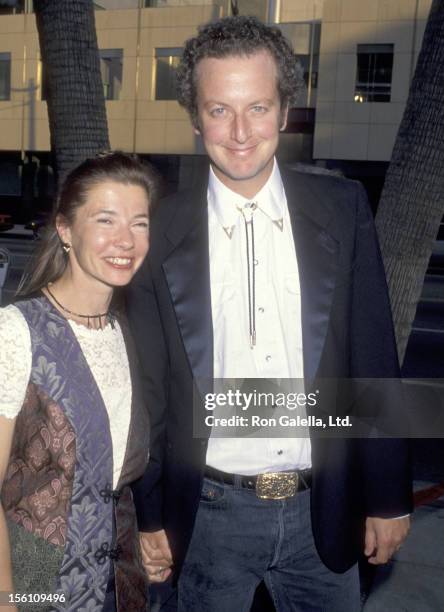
x=255, y=261
x=268, y=358
x=261, y=309
x=280, y=452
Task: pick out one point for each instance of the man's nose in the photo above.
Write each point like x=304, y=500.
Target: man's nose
x=240, y=128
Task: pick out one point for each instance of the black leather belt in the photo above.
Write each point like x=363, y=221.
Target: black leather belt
x=270, y=485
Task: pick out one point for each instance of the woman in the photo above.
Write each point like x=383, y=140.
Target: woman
x=73, y=430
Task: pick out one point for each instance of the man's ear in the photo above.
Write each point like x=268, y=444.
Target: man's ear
x=63, y=229
x=284, y=117
x=196, y=128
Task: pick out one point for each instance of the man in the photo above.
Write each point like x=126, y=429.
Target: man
x=261, y=273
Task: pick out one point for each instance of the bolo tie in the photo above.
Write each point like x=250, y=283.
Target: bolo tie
x=247, y=212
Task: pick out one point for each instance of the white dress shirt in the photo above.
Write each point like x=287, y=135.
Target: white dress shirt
x=277, y=353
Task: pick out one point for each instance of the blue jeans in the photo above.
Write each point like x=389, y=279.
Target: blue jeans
x=239, y=539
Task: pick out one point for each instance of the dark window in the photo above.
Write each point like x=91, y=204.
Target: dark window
x=374, y=73
x=114, y=5
x=111, y=67
x=11, y=7
x=167, y=60
x=9, y=176
x=306, y=39
x=5, y=76
x=44, y=83
x=159, y=3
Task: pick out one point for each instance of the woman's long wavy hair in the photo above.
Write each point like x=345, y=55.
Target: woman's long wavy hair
x=50, y=260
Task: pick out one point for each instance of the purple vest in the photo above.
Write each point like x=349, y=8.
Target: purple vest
x=59, y=480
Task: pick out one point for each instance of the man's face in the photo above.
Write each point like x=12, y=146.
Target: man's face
x=239, y=118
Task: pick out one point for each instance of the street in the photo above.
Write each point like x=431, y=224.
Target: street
x=414, y=580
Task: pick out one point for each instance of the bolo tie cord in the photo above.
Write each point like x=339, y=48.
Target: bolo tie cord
x=251, y=271
x=247, y=214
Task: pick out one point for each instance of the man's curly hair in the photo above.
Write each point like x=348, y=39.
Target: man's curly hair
x=240, y=35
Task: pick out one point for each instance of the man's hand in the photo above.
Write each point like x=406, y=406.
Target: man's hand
x=383, y=537
x=156, y=555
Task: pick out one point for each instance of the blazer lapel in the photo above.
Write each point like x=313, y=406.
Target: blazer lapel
x=187, y=271
x=317, y=254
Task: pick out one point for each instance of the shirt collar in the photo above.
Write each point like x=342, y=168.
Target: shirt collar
x=224, y=202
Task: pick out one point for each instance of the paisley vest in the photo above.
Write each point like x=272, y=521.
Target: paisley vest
x=66, y=523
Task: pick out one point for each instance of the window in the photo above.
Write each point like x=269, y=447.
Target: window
x=113, y=5
x=111, y=67
x=8, y=7
x=374, y=73
x=111, y=70
x=167, y=60
x=305, y=38
x=5, y=76
x=258, y=8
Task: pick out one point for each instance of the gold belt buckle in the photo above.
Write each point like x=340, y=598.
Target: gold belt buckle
x=277, y=485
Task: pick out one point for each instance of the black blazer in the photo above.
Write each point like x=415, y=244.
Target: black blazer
x=347, y=332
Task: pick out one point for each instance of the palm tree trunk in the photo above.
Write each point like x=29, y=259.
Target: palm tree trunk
x=412, y=201
x=76, y=105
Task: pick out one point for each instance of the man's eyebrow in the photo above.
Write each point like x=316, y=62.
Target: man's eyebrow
x=261, y=100
x=254, y=103
x=207, y=102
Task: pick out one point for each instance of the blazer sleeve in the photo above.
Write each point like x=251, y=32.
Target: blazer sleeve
x=385, y=462
x=146, y=328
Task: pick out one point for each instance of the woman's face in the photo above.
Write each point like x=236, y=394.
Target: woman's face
x=109, y=236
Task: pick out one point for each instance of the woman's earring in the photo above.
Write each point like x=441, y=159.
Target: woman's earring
x=66, y=247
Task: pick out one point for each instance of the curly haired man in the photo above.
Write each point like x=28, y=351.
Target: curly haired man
x=261, y=273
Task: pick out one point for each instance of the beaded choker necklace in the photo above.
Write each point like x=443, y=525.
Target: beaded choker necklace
x=95, y=317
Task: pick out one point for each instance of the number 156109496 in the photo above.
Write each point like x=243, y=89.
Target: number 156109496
x=30, y=598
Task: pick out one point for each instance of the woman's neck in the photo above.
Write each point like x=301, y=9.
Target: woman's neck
x=81, y=304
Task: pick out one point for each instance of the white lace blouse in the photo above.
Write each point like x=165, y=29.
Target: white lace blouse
x=105, y=354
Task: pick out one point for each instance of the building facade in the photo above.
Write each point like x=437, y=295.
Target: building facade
x=358, y=59
x=367, y=59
